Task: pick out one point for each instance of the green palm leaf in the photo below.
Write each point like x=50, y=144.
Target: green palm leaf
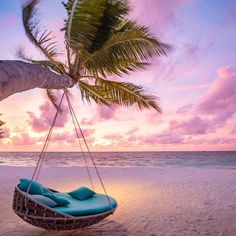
x=100, y=41
x=127, y=94
x=45, y=63
x=42, y=40
x=97, y=93
x=52, y=98
x=129, y=48
x=90, y=22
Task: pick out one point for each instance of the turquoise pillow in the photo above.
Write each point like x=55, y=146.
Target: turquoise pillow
x=82, y=193
x=35, y=187
x=60, y=200
x=44, y=200
x=46, y=190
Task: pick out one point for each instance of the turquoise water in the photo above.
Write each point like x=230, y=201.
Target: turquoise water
x=124, y=159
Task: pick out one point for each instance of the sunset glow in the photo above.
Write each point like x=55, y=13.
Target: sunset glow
x=196, y=85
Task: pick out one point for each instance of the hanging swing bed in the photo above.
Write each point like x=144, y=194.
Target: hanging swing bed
x=53, y=210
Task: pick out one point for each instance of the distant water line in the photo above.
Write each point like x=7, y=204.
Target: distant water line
x=124, y=159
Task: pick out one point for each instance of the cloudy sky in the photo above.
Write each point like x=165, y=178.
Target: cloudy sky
x=196, y=84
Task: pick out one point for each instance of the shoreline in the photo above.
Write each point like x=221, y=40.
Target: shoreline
x=154, y=201
x=39, y=151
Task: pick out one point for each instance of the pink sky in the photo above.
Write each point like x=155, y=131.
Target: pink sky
x=196, y=85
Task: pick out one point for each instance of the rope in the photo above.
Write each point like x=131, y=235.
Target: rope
x=50, y=134
x=42, y=154
x=41, y=157
x=78, y=137
x=89, y=152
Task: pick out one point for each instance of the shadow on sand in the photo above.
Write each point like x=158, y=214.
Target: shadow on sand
x=106, y=227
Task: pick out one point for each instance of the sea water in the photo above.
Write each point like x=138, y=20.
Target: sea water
x=220, y=159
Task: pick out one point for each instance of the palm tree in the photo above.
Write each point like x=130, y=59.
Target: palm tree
x=100, y=41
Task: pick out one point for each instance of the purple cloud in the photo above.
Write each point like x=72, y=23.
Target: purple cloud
x=194, y=125
x=47, y=112
x=23, y=139
x=220, y=99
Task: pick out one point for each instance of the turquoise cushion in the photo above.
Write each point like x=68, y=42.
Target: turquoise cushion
x=57, y=197
x=82, y=193
x=44, y=200
x=35, y=187
x=94, y=205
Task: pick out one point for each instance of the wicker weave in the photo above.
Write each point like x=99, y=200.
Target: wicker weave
x=45, y=217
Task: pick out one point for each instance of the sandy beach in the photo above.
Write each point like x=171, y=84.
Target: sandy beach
x=152, y=201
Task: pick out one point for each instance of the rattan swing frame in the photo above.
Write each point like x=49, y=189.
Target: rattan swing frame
x=37, y=214
x=40, y=215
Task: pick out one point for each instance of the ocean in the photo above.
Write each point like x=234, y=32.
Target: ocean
x=219, y=159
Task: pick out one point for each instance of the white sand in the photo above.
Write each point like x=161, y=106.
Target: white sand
x=152, y=201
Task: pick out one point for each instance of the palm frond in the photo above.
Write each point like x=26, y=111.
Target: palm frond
x=42, y=39
x=20, y=54
x=52, y=98
x=130, y=47
x=90, y=22
x=128, y=94
x=96, y=93
x=68, y=55
x=45, y=63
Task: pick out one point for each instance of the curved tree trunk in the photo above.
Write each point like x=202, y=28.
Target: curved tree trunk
x=18, y=76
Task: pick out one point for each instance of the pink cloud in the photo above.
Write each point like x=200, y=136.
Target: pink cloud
x=133, y=130
x=185, y=109
x=4, y=133
x=47, y=112
x=63, y=137
x=215, y=107
x=128, y=138
x=87, y=121
x=102, y=113
x=233, y=131
x=148, y=139
x=220, y=99
x=163, y=13
x=177, y=132
x=165, y=23
x=105, y=113
x=23, y=139
x=198, y=123
x=164, y=138
x=71, y=138
x=194, y=125
x=87, y=132
x=222, y=93
x=113, y=137
x=169, y=139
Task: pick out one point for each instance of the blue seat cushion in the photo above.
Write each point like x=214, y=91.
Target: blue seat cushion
x=44, y=200
x=38, y=189
x=35, y=187
x=82, y=193
x=57, y=197
x=94, y=205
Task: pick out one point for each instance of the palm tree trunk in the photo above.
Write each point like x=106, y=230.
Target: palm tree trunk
x=18, y=76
